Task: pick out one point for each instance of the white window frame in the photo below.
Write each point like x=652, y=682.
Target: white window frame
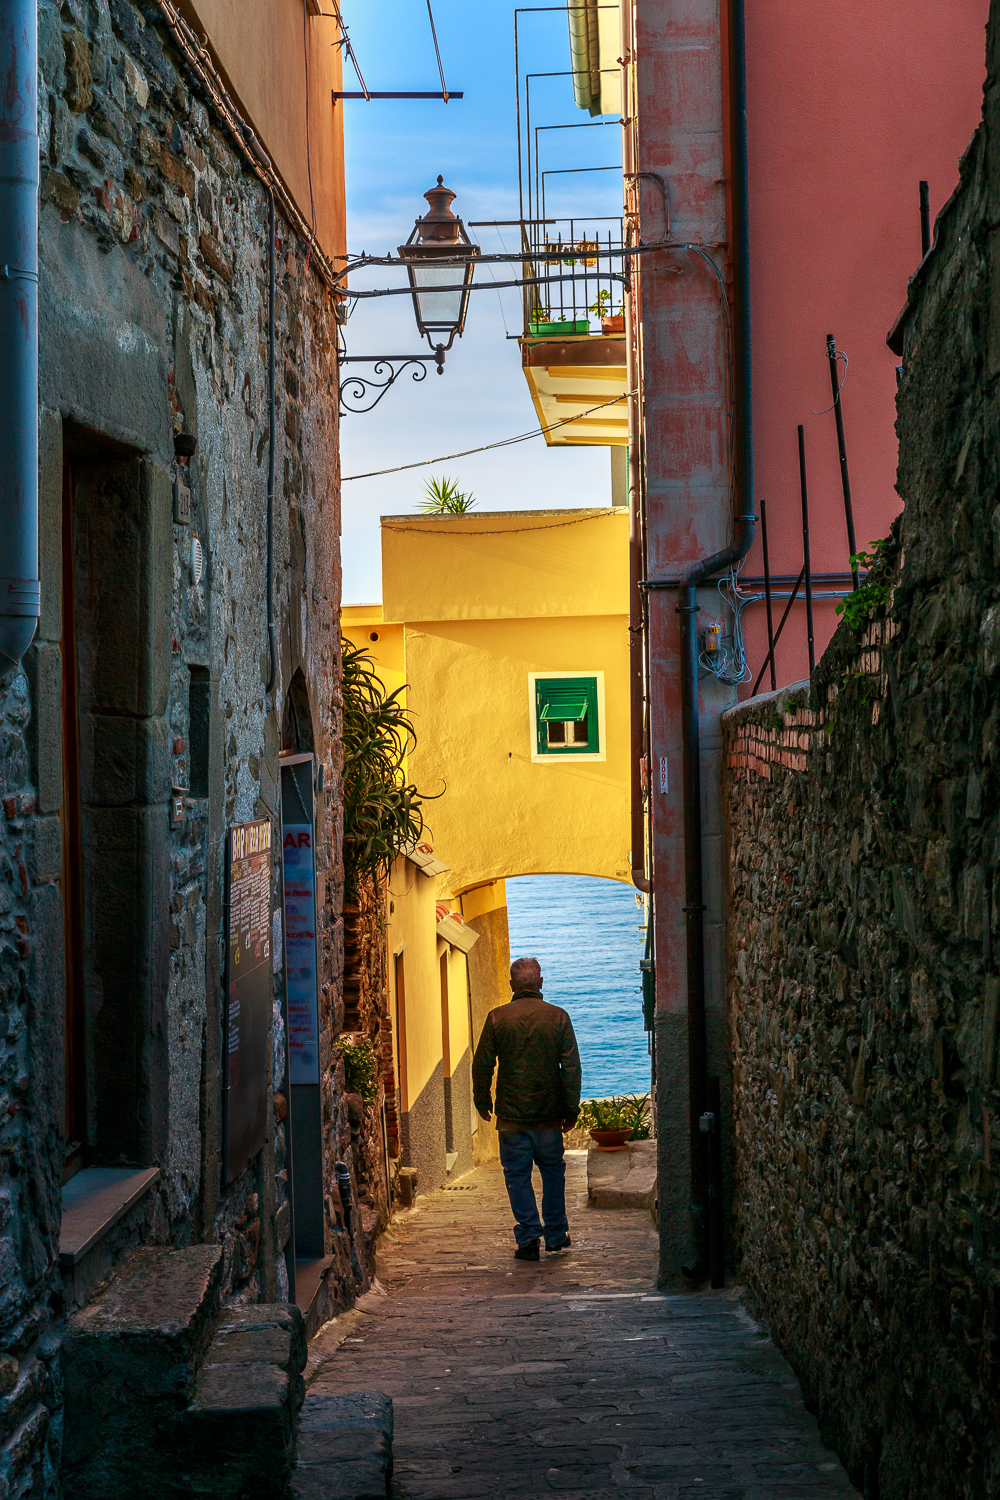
x=574, y=758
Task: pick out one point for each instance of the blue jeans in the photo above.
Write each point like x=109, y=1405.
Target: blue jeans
x=518, y=1150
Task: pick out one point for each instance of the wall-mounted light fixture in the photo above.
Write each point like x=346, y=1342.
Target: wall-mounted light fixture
x=440, y=261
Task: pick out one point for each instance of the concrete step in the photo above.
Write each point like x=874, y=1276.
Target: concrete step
x=129, y=1361
x=623, y=1178
x=345, y=1447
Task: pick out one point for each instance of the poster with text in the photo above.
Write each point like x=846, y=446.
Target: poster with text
x=300, y=952
x=248, y=995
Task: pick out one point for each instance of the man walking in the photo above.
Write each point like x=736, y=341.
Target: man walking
x=537, y=1098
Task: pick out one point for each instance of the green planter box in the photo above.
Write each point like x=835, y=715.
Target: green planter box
x=582, y=325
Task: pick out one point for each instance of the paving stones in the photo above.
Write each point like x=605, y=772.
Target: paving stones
x=572, y=1377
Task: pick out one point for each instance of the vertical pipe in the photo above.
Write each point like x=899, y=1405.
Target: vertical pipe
x=742, y=460
x=767, y=593
x=805, y=548
x=265, y=161
x=716, y=1214
x=272, y=657
x=19, y=586
x=925, y=218
x=636, y=621
x=845, y=478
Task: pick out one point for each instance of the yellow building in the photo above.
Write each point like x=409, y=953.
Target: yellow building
x=510, y=632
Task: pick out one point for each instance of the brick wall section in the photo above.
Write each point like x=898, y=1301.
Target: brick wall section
x=863, y=818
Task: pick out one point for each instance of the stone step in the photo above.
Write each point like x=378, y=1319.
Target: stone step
x=129, y=1361
x=236, y=1440
x=345, y=1447
x=623, y=1178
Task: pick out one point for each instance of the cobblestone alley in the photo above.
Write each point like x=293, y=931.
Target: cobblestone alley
x=571, y=1376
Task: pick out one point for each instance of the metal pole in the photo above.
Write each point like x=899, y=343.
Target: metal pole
x=767, y=593
x=925, y=218
x=805, y=548
x=19, y=586
x=781, y=625
x=845, y=478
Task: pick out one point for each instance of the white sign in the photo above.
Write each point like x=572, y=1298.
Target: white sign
x=300, y=950
x=664, y=774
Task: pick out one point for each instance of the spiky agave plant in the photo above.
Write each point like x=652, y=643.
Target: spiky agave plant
x=382, y=813
x=442, y=497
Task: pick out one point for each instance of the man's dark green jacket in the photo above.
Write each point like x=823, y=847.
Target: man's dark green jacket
x=538, y=1081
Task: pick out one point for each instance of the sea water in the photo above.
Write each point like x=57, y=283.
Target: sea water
x=587, y=934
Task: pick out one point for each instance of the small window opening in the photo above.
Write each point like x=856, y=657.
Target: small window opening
x=198, y=714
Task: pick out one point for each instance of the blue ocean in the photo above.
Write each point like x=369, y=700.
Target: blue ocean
x=587, y=936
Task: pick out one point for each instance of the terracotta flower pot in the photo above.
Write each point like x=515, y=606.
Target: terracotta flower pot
x=614, y=324
x=611, y=1140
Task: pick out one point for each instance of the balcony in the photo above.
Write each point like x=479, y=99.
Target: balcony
x=573, y=338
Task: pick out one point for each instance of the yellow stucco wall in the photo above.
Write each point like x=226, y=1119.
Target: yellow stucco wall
x=258, y=46
x=484, y=600
x=412, y=928
x=505, y=565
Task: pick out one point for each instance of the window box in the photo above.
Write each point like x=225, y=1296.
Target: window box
x=559, y=330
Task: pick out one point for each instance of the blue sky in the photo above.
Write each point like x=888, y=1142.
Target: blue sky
x=395, y=150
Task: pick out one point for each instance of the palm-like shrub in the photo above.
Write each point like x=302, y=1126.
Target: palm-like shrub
x=382, y=813
x=442, y=497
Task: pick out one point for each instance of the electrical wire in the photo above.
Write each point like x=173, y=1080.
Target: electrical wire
x=838, y=354
x=437, y=51
x=503, y=443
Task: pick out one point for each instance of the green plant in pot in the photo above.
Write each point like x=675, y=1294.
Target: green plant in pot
x=615, y=1121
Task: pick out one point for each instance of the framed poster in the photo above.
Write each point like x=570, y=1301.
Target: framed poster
x=300, y=950
x=247, y=1024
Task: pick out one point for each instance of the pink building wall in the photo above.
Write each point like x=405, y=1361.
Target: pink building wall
x=849, y=106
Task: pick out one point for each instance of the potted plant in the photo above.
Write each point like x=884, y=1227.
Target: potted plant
x=615, y=1121
x=546, y=326
x=601, y=308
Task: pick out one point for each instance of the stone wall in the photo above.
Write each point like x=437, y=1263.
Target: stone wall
x=153, y=322
x=864, y=925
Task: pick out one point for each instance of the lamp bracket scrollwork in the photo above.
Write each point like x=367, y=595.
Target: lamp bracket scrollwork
x=359, y=396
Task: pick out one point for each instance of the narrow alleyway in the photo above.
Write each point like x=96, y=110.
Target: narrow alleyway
x=573, y=1376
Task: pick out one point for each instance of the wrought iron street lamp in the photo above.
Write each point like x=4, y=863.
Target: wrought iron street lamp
x=440, y=260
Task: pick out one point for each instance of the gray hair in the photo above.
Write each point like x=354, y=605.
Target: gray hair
x=525, y=973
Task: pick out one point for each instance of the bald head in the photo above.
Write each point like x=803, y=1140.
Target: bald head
x=525, y=974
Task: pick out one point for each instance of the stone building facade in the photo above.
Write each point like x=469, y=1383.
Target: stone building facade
x=138, y=728
x=863, y=818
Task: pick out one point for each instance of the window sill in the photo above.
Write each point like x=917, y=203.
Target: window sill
x=92, y=1203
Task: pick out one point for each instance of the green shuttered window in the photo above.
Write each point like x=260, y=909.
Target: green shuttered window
x=566, y=720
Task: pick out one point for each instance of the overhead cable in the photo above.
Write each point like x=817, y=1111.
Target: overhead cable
x=503, y=443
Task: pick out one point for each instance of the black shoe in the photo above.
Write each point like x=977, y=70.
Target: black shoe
x=562, y=1244
x=527, y=1252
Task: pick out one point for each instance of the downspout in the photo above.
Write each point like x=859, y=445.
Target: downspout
x=636, y=631
x=709, y=1253
x=19, y=585
x=265, y=161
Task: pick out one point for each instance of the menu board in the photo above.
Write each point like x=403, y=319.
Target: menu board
x=300, y=950
x=248, y=995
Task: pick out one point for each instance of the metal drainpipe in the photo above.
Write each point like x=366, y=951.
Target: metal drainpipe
x=265, y=161
x=19, y=586
x=702, y=1171
x=635, y=530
